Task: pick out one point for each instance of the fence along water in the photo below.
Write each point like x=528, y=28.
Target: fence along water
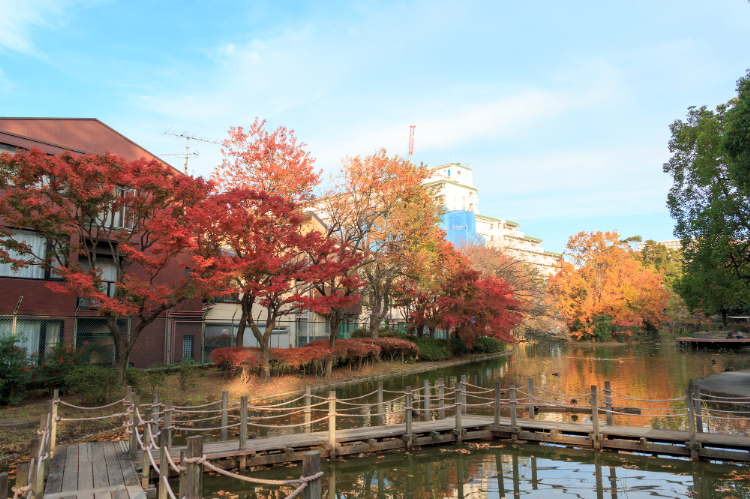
x=150, y=428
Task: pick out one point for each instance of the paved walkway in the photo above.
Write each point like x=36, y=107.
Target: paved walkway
x=730, y=384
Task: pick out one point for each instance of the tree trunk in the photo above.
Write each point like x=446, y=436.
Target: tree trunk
x=334, y=321
x=242, y=325
x=121, y=346
x=724, y=318
x=265, y=351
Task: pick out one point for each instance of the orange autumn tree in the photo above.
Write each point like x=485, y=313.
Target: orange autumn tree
x=600, y=286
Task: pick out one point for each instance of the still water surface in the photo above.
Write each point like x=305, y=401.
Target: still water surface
x=646, y=371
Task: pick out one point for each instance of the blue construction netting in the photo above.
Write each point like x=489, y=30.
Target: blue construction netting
x=461, y=226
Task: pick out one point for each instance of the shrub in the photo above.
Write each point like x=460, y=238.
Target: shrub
x=459, y=348
x=487, y=344
x=187, y=371
x=430, y=349
x=155, y=378
x=136, y=379
x=15, y=371
x=94, y=383
x=59, y=362
x=387, y=333
x=360, y=333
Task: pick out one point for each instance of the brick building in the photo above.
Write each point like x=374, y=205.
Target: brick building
x=42, y=318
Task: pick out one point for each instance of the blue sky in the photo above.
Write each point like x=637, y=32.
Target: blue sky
x=562, y=109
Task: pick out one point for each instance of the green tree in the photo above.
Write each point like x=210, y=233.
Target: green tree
x=710, y=201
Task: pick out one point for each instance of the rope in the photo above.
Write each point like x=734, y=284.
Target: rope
x=622, y=395
x=182, y=428
x=371, y=415
x=287, y=425
x=302, y=481
x=285, y=403
x=196, y=420
x=268, y=408
x=172, y=464
x=723, y=398
x=644, y=415
x=190, y=406
x=360, y=397
x=20, y=490
x=92, y=419
x=169, y=489
x=58, y=401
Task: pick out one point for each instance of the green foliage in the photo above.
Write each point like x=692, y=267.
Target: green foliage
x=660, y=258
x=459, y=348
x=155, y=378
x=360, y=333
x=602, y=328
x=709, y=201
x=188, y=371
x=487, y=344
x=93, y=383
x=136, y=379
x=387, y=333
x=59, y=362
x=15, y=371
x=431, y=350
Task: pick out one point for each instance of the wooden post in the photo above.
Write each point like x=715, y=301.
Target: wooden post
x=595, y=417
x=311, y=466
x=463, y=394
x=183, y=476
x=308, y=410
x=45, y=423
x=380, y=404
x=156, y=406
x=224, y=416
x=608, y=401
x=3, y=486
x=166, y=431
x=513, y=422
x=693, y=443
x=243, y=423
x=133, y=441
x=531, y=398
x=459, y=396
x=163, y=472
x=426, y=398
x=22, y=474
x=698, y=408
x=408, y=415
x=36, y=480
x=146, y=470
x=497, y=403
x=331, y=423
x=194, y=475
x=441, y=398
x=53, y=430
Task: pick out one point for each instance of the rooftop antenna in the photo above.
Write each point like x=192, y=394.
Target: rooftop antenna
x=411, y=141
x=187, y=154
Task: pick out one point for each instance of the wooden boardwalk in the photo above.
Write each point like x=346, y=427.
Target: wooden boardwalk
x=99, y=470
x=714, y=342
x=291, y=447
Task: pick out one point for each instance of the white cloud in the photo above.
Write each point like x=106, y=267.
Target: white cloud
x=17, y=19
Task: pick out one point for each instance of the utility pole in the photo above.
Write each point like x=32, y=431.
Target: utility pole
x=187, y=154
x=411, y=141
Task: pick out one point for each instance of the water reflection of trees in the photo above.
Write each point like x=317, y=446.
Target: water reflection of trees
x=506, y=472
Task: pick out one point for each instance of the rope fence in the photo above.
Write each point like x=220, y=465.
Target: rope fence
x=154, y=430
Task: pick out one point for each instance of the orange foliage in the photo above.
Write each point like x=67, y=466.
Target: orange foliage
x=603, y=278
x=311, y=357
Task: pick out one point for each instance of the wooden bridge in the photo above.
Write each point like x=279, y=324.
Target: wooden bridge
x=100, y=470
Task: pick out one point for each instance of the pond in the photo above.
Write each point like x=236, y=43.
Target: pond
x=502, y=469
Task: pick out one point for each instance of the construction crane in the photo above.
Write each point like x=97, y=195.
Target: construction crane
x=187, y=154
x=411, y=141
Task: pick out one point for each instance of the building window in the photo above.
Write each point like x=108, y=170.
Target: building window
x=7, y=148
x=36, y=336
x=187, y=346
x=458, y=171
x=492, y=226
x=449, y=173
x=36, y=244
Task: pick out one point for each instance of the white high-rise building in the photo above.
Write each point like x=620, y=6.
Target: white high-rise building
x=454, y=184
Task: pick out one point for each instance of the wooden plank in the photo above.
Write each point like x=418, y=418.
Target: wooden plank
x=99, y=464
x=55, y=476
x=70, y=474
x=114, y=472
x=85, y=476
x=103, y=495
x=121, y=493
x=136, y=492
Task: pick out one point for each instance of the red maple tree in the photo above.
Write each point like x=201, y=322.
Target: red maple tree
x=113, y=229
x=260, y=239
